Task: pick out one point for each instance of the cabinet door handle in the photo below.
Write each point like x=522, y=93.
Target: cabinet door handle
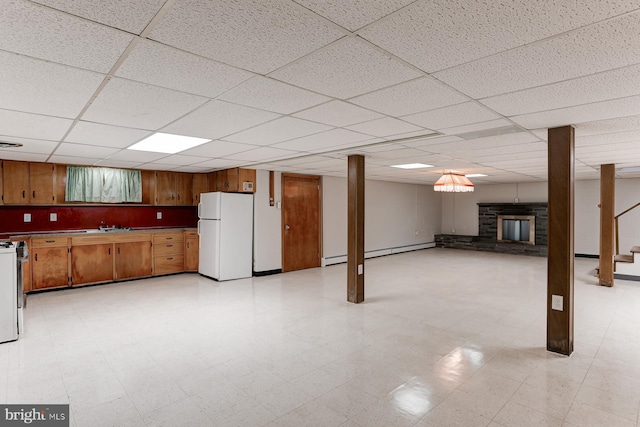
x=169, y=238
x=36, y=257
x=34, y=194
x=187, y=245
x=118, y=250
x=109, y=251
x=50, y=241
x=24, y=194
x=169, y=259
x=169, y=246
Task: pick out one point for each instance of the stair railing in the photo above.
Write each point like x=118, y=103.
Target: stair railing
x=616, y=224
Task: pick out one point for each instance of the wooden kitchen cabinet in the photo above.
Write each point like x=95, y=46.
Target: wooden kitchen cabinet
x=91, y=263
x=191, y=250
x=232, y=180
x=133, y=259
x=49, y=262
x=165, y=188
x=41, y=183
x=184, y=189
x=28, y=183
x=200, y=185
x=1, y=184
x=168, y=252
x=16, y=182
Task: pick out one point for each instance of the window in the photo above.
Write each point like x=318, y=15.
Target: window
x=103, y=185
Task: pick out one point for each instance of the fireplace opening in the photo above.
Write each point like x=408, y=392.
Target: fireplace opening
x=512, y=228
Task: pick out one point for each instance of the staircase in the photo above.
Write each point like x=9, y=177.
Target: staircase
x=627, y=258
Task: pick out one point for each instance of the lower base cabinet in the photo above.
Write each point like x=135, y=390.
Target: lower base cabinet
x=49, y=267
x=91, y=264
x=133, y=259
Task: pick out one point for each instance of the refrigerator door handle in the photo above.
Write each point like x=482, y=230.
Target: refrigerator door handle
x=198, y=223
x=199, y=209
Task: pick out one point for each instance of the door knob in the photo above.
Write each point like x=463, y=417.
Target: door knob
x=286, y=226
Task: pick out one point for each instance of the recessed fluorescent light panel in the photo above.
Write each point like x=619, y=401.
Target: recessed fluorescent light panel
x=475, y=175
x=412, y=166
x=167, y=143
x=630, y=169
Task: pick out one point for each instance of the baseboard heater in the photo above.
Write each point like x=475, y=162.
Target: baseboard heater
x=378, y=252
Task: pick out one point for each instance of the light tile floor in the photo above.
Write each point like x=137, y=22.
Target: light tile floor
x=445, y=338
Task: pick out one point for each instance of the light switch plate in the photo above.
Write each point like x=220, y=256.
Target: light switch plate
x=360, y=269
x=27, y=217
x=158, y=215
x=53, y=216
x=557, y=302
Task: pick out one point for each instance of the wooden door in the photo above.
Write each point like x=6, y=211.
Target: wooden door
x=301, y=221
x=165, y=188
x=50, y=267
x=133, y=260
x=200, y=185
x=191, y=253
x=184, y=189
x=91, y=263
x=41, y=183
x=16, y=182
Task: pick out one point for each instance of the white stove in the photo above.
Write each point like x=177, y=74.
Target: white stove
x=9, y=316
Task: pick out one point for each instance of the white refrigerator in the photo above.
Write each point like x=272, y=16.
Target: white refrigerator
x=8, y=293
x=225, y=227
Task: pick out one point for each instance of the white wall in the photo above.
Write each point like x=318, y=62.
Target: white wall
x=393, y=214
x=460, y=211
x=267, y=238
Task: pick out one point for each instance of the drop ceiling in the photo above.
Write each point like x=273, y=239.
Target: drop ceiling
x=298, y=85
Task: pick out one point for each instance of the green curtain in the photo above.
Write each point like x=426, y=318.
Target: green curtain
x=103, y=185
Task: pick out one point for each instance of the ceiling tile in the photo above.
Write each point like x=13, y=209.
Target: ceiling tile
x=136, y=156
x=129, y=15
x=354, y=14
x=324, y=140
x=36, y=146
x=582, y=113
x=455, y=115
x=127, y=103
x=613, y=84
x=108, y=163
x=411, y=97
x=33, y=126
x=338, y=113
x=487, y=142
x=181, y=160
x=277, y=131
x=218, y=164
x=217, y=119
x=257, y=35
x=439, y=34
x=593, y=49
x=345, y=69
x=218, y=149
x=105, y=135
x=73, y=160
x=271, y=95
x=80, y=150
x=608, y=139
x=475, y=127
x=386, y=126
x=161, y=65
x=192, y=169
x=42, y=87
x=45, y=33
x=22, y=156
x=617, y=124
x=262, y=154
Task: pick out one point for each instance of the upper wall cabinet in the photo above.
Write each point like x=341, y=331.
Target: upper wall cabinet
x=234, y=180
x=28, y=183
x=174, y=189
x=200, y=185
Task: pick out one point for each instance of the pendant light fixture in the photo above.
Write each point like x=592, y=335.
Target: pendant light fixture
x=453, y=182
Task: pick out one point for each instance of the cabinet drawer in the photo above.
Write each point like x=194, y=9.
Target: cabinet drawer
x=190, y=233
x=44, y=242
x=168, y=264
x=159, y=238
x=176, y=248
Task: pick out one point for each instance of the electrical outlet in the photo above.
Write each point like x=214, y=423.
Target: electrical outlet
x=159, y=215
x=417, y=232
x=27, y=217
x=53, y=216
x=453, y=230
x=557, y=302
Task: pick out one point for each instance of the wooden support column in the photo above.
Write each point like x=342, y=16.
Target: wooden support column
x=355, y=230
x=607, y=242
x=560, y=241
